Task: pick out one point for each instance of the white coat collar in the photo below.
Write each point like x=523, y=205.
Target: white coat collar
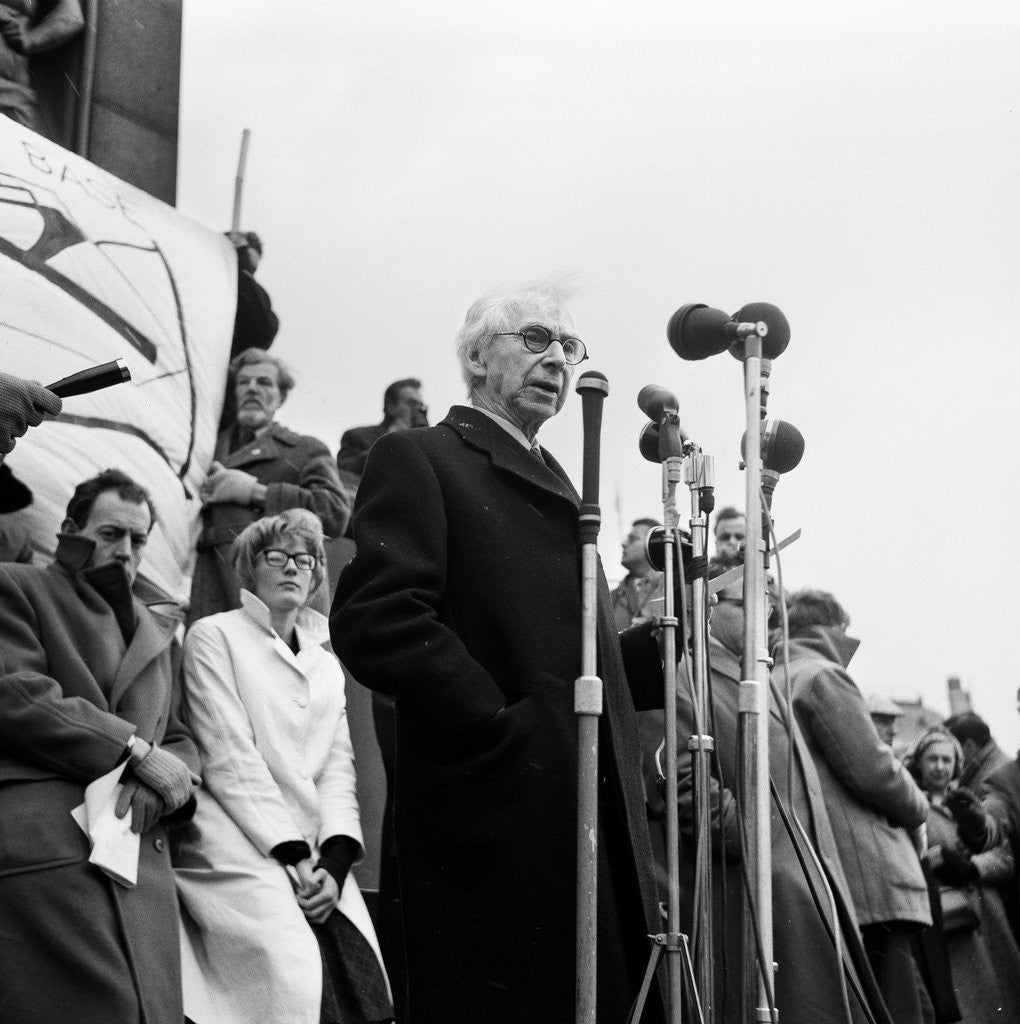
x=312, y=626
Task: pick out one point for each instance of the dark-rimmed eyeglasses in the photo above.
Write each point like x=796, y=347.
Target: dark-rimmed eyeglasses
x=538, y=339
x=278, y=559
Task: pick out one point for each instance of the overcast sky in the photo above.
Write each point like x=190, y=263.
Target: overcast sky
x=859, y=171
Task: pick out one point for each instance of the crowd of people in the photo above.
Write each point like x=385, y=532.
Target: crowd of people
x=225, y=727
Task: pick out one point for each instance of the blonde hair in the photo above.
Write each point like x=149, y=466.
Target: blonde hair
x=268, y=531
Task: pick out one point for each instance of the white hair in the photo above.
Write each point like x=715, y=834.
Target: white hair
x=502, y=309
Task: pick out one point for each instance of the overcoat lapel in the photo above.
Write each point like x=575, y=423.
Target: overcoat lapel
x=152, y=635
x=481, y=433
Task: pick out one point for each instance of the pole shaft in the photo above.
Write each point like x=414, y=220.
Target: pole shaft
x=754, y=703
x=587, y=705
x=242, y=160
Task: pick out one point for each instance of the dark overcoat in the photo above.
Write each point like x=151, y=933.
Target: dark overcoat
x=464, y=601
x=299, y=472
x=77, y=946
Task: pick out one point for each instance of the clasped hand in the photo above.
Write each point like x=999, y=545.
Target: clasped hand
x=227, y=486
x=317, y=892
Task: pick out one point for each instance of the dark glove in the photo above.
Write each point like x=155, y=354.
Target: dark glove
x=338, y=854
x=956, y=868
x=167, y=774
x=147, y=806
x=290, y=851
x=970, y=817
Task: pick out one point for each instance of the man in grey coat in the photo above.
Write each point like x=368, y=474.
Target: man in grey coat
x=260, y=469
x=88, y=684
x=873, y=802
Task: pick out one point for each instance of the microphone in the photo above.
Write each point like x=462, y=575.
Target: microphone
x=650, y=442
x=782, y=448
x=696, y=332
x=774, y=342
x=95, y=378
x=593, y=388
x=655, y=402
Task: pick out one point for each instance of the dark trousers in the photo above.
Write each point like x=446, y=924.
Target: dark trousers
x=888, y=945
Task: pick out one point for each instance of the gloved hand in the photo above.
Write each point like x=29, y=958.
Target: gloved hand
x=970, y=817
x=956, y=868
x=23, y=403
x=227, y=486
x=168, y=775
x=147, y=806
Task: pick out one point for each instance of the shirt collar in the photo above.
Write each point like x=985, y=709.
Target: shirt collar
x=511, y=428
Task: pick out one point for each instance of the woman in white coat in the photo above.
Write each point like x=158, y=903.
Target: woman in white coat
x=274, y=927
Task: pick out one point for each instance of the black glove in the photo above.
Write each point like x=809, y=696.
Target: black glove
x=956, y=868
x=338, y=854
x=970, y=817
x=290, y=851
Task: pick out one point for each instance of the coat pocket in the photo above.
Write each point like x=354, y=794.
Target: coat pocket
x=36, y=827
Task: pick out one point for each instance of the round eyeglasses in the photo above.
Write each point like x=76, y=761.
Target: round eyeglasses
x=278, y=559
x=538, y=339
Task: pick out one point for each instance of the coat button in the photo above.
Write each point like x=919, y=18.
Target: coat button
x=158, y=844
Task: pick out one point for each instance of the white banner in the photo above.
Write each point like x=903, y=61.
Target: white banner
x=92, y=268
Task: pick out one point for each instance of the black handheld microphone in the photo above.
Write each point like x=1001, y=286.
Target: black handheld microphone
x=593, y=388
x=95, y=378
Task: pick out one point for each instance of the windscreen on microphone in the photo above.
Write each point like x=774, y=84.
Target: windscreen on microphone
x=592, y=382
x=696, y=331
x=782, y=446
x=650, y=443
x=655, y=402
x=778, y=337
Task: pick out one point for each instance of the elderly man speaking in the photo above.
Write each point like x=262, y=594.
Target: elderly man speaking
x=464, y=601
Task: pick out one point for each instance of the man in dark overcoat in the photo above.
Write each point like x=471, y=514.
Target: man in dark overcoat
x=403, y=409
x=260, y=469
x=87, y=683
x=464, y=600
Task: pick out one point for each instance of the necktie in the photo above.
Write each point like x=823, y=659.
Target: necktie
x=537, y=453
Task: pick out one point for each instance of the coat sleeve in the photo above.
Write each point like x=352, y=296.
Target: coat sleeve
x=354, y=448
x=39, y=723
x=832, y=710
x=233, y=770
x=318, y=488
x=387, y=622
x=337, y=782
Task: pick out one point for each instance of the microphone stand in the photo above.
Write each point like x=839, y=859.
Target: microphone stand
x=683, y=459
x=671, y=450
x=699, y=475
x=753, y=703
x=593, y=388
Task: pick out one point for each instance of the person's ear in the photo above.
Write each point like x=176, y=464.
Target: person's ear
x=69, y=526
